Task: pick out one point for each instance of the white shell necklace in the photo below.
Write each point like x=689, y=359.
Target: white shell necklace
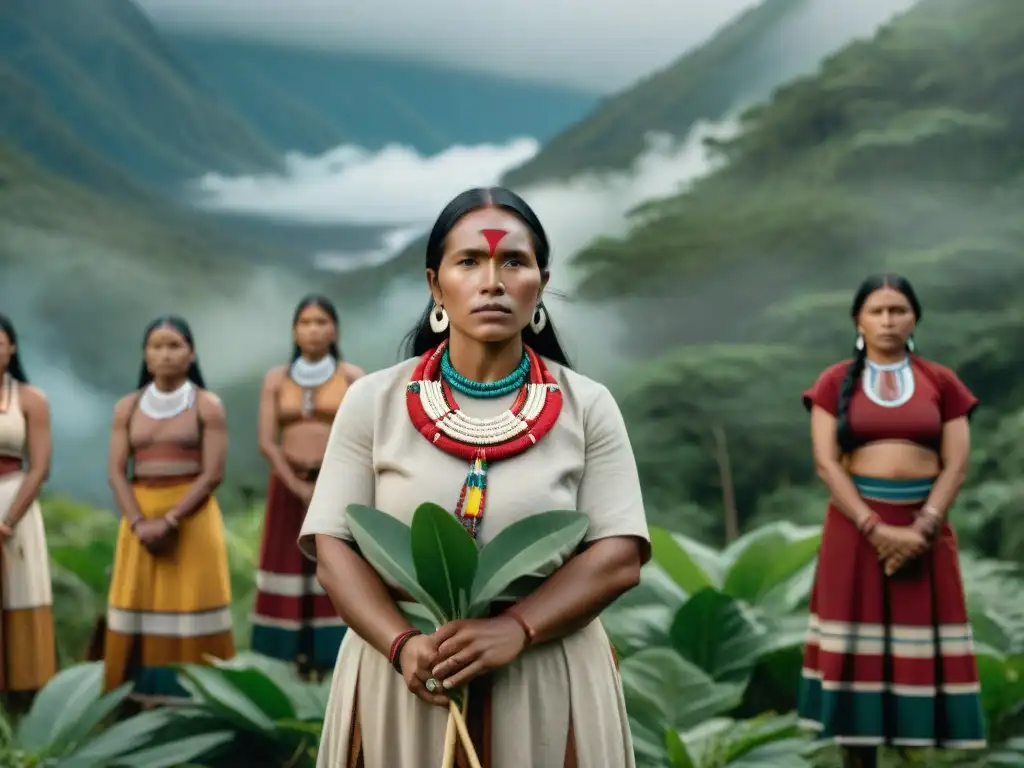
x=308, y=374
x=167, y=405
x=889, y=385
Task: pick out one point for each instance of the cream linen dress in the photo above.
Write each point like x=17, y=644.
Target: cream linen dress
x=26, y=587
x=376, y=457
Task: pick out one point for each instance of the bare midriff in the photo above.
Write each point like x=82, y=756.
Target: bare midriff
x=165, y=450
x=893, y=460
x=304, y=433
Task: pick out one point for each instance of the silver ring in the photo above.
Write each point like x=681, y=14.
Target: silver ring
x=431, y=685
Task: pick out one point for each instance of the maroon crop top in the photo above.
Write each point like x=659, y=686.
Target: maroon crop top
x=939, y=396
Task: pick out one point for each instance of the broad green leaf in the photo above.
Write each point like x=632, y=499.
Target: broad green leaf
x=262, y=691
x=61, y=701
x=521, y=548
x=687, y=565
x=720, y=635
x=445, y=558
x=304, y=698
x=782, y=733
x=767, y=557
x=665, y=690
x=220, y=694
x=678, y=754
x=120, y=739
x=386, y=543
x=175, y=753
x=649, y=746
x=75, y=732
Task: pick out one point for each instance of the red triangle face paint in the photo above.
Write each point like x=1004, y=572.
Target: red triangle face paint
x=494, y=236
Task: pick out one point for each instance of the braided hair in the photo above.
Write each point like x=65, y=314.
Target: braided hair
x=844, y=432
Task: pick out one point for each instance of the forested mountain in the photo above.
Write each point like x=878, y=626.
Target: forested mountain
x=904, y=153
x=743, y=62
x=102, y=71
x=312, y=101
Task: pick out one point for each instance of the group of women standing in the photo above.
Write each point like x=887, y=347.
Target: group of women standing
x=889, y=657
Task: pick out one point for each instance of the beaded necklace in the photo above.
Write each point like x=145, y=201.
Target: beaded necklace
x=888, y=385
x=439, y=419
x=498, y=388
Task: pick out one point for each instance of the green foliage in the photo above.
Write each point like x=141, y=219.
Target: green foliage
x=131, y=99
x=437, y=562
x=703, y=84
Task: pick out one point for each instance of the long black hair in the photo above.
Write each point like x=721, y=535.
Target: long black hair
x=14, y=366
x=422, y=338
x=316, y=300
x=844, y=432
x=180, y=325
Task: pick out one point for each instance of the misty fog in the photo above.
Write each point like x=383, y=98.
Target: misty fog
x=241, y=336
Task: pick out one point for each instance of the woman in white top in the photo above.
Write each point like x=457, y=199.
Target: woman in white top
x=544, y=686
x=28, y=657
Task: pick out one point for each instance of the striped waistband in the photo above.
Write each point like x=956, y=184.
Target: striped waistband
x=893, y=491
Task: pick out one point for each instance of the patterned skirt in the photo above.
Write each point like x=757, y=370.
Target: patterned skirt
x=294, y=619
x=890, y=660
x=170, y=608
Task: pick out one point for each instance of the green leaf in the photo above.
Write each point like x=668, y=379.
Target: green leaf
x=177, y=752
x=767, y=557
x=223, y=697
x=521, y=548
x=304, y=699
x=386, y=543
x=62, y=700
x=445, y=558
x=121, y=739
x=664, y=690
x=720, y=635
x=82, y=722
x=691, y=565
x=678, y=754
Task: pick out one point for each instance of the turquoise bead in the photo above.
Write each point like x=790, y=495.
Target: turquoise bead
x=499, y=388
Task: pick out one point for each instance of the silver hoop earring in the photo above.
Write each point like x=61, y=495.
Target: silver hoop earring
x=860, y=342
x=438, y=319
x=539, y=319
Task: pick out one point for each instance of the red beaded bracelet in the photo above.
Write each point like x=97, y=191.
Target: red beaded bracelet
x=394, y=657
x=869, y=525
x=529, y=631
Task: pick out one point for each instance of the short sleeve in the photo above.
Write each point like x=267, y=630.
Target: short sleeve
x=609, y=490
x=347, y=474
x=824, y=393
x=957, y=399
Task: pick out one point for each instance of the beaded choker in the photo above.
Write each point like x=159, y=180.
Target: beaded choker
x=438, y=418
x=498, y=388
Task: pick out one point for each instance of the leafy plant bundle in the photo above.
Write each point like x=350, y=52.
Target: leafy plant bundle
x=439, y=565
x=443, y=568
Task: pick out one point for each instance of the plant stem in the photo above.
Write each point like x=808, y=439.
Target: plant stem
x=467, y=742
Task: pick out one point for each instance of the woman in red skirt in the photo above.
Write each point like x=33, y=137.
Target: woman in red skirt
x=293, y=619
x=889, y=657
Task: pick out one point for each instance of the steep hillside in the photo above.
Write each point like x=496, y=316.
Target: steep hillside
x=742, y=63
x=903, y=153
x=102, y=70
x=312, y=101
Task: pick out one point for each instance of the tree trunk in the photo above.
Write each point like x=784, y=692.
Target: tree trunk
x=732, y=519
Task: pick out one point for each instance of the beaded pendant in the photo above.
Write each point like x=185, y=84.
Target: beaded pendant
x=437, y=417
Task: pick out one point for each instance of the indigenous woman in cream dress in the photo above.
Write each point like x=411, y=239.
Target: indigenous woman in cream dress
x=170, y=595
x=544, y=689
x=293, y=618
x=28, y=657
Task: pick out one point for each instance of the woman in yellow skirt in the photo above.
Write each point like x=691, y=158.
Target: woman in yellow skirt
x=170, y=595
x=28, y=657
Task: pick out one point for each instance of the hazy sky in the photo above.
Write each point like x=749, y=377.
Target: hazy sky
x=597, y=46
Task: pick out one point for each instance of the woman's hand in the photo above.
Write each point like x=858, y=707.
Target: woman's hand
x=154, y=534
x=418, y=655
x=5, y=531
x=470, y=647
x=304, y=490
x=898, y=543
